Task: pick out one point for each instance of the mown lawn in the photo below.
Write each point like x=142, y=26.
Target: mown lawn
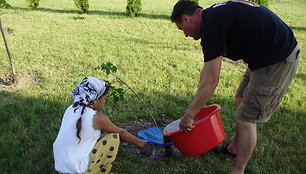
x=54, y=48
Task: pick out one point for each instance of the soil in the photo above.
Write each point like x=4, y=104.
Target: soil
x=8, y=30
x=151, y=151
x=21, y=81
x=237, y=63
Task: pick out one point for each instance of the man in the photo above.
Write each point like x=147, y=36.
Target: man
x=240, y=30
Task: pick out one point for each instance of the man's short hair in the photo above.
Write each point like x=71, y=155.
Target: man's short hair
x=183, y=7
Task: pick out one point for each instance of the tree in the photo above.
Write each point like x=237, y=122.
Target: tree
x=82, y=5
x=4, y=4
x=8, y=53
x=133, y=7
x=33, y=4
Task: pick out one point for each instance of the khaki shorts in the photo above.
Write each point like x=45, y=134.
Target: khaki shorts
x=263, y=89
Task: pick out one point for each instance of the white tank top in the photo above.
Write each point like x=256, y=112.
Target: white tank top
x=70, y=156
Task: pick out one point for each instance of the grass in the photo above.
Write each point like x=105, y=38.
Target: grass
x=62, y=47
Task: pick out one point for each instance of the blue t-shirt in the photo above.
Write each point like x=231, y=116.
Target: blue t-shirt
x=245, y=30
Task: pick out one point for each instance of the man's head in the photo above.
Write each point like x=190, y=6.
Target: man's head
x=187, y=17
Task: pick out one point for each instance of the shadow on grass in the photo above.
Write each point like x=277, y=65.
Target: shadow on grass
x=301, y=76
x=46, y=10
x=298, y=28
x=98, y=12
x=29, y=126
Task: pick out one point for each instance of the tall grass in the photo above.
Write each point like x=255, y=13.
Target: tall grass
x=163, y=66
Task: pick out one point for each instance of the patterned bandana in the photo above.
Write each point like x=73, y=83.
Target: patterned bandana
x=89, y=90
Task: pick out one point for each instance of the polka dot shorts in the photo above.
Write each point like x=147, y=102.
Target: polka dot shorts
x=103, y=154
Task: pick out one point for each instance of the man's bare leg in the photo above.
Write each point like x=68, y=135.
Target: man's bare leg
x=246, y=138
x=233, y=145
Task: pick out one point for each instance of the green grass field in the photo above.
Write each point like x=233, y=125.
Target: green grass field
x=60, y=47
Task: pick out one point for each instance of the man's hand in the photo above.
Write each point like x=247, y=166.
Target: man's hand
x=186, y=123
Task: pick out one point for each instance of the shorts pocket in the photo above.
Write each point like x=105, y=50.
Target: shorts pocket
x=259, y=102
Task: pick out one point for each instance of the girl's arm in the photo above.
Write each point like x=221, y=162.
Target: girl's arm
x=103, y=122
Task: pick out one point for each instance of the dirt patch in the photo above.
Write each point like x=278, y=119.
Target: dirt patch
x=8, y=30
x=22, y=81
x=237, y=63
x=151, y=151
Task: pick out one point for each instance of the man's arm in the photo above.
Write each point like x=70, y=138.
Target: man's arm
x=209, y=79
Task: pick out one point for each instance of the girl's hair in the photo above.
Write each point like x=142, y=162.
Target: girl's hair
x=79, y=122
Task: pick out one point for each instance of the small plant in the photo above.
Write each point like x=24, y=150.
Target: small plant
x=4, y=4
x=133, y=7
x=79, y=17
x=82, y=5
x=117, y=93
x=261, y=2
x=33, y=4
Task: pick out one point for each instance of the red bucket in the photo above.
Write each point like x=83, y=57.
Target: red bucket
x=207, y=133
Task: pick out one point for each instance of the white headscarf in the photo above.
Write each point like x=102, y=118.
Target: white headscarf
x=89, y=90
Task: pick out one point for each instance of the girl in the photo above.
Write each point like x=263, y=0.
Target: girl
x=79, y=146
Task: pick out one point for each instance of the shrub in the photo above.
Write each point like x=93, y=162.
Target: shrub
x=33, y=4
x=261, y=2
x=82, y=5
x=133, y=7
x=4, y=4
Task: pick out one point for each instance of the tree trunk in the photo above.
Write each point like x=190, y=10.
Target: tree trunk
x=8, y=53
